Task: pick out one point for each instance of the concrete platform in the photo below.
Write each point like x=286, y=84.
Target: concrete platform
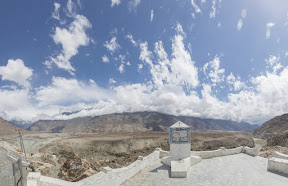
x=238, y=169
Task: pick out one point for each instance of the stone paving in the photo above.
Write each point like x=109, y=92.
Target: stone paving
x=238, y=170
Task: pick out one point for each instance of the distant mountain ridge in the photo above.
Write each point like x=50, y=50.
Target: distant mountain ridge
x=276, y=125
x=7, y=128
x=136, y=122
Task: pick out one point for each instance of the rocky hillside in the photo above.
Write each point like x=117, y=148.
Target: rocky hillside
x=279, y=139
x=273, y=126
x=135, y=122
x=6, y=128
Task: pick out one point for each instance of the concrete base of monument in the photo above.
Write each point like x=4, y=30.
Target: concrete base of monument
x=180, y=167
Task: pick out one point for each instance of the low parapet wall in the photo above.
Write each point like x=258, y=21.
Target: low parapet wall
x=106, y=177
x=277, y=154
x=119, y=176
x=251, y=151
x=12, y=153
x=217, y=153
x=278, y=163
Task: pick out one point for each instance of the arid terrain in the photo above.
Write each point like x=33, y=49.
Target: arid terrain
x=73, y=157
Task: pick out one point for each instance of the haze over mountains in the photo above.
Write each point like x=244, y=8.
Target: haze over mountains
x=136, y=122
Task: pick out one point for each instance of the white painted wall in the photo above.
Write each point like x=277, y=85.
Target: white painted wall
x=277, y=154
x=278, y=165
x=107, y=177
x=217, y=153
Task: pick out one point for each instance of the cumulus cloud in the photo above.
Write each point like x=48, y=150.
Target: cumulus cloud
x=213, y=71
x=16, y=71
x=56, y=14
x=173, y=88
x=121, y=68
x=64, y=91
x=145, y=54
x=112, y=45
x=130, y=37
x=140, y=67
x=151, y=15
x=236, y=83
x=112, y=81
x=274, y=63
x=132, y=5
x=182, y=69
x=115, y=2
x=70, y=39
x=105, y=59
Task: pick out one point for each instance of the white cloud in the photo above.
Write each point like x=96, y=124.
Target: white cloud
x=145, y=54
x=196, y=7
x=183, y=68
x=121, y=68
x=140, y=67
x=171, y=89
x=70, y=12
x=179, y=30
x=112, y=45
x=236, y=83
x=268, y=29
x=180, y=70
x=70, y=39
x=130, y=37
x=16, y=71
x=64, y=91
x=151, y=15
x=56, y=14
x=105, y=59
x=112, y=81
x=274, y=63
x=213, y=71
x=115, y=2
x=132, y=5
x=213, y=12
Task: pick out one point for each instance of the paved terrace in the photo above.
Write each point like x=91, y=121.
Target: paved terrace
x=239, y=169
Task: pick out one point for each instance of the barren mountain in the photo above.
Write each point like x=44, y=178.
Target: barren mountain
x=135, y=122
x=6, y=128
x=273, y=126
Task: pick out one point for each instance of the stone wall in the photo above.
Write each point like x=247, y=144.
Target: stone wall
x=106, y=177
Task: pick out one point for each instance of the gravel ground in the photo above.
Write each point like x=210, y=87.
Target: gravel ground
x=6, y=177
x=236, y=170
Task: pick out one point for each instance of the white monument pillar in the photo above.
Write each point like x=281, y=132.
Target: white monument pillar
x=180, y=144
x=180, y=159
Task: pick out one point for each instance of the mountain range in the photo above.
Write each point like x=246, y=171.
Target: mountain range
x=8, y=129
x=276, y=125
x=136, y=122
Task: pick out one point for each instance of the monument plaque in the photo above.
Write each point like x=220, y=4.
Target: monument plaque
x=179, y=135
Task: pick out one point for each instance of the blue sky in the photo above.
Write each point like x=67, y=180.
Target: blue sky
x=211, y=59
